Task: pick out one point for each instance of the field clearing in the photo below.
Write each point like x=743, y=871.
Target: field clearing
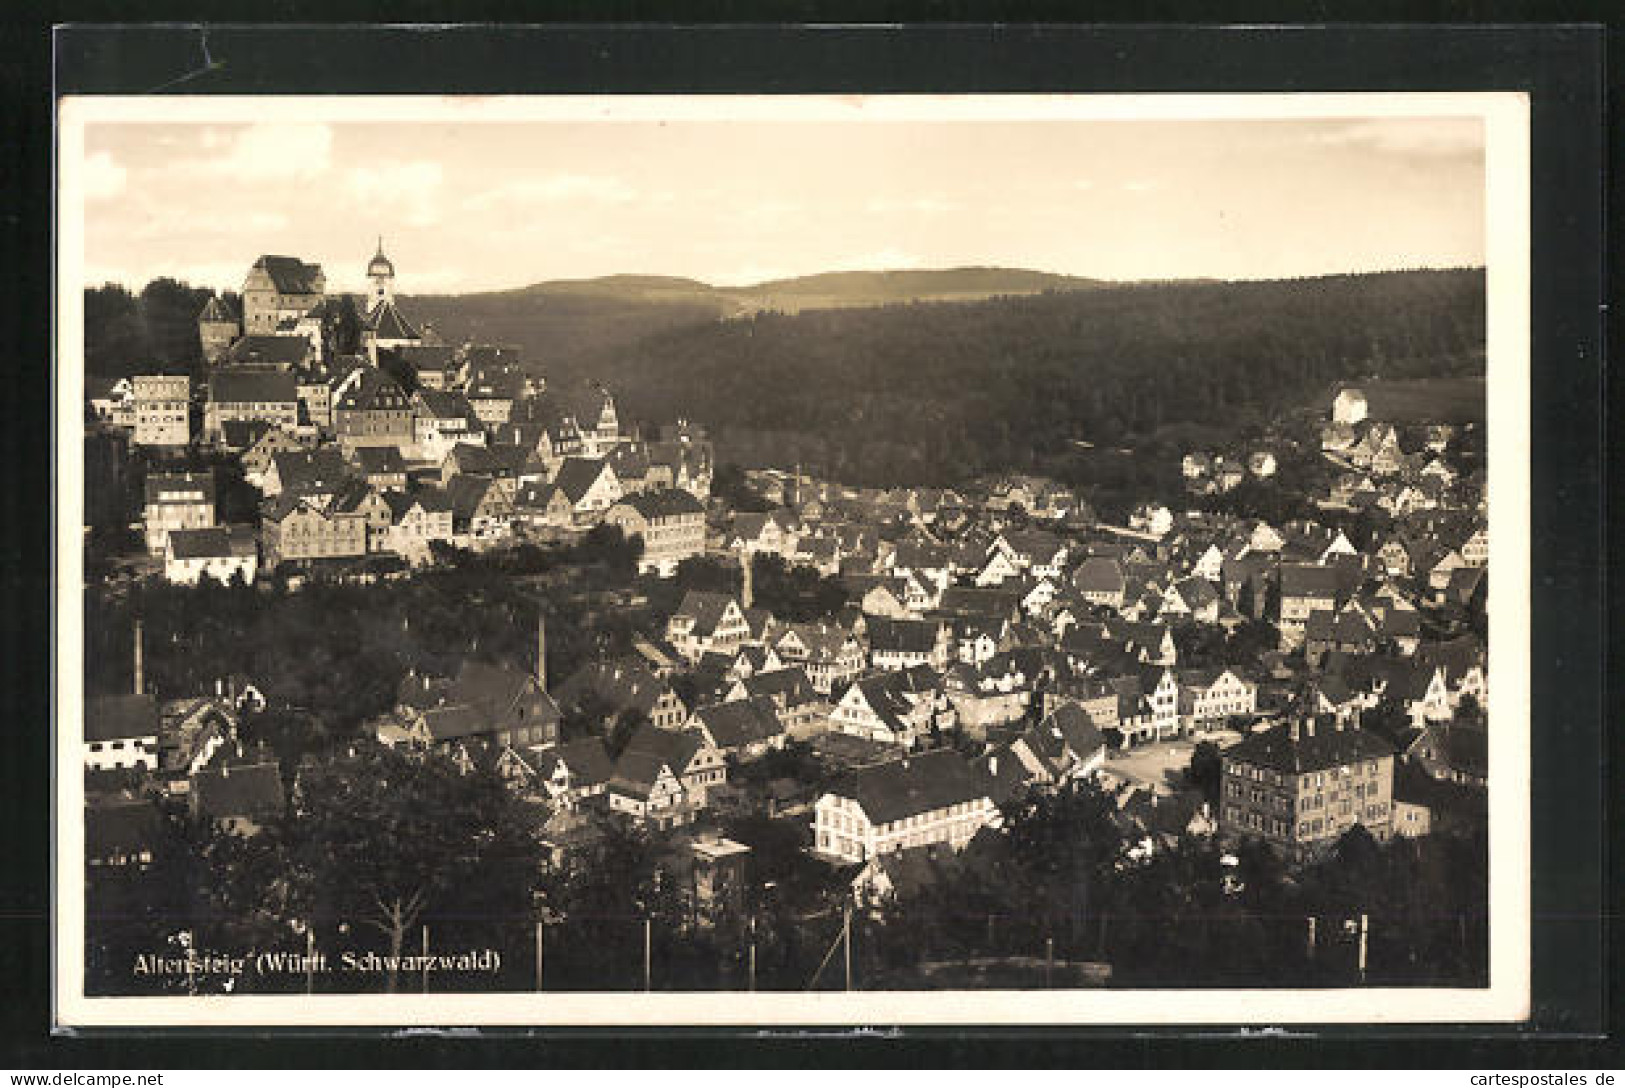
x=1427, y=400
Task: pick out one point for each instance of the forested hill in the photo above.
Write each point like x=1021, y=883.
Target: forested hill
x=937, y=392
x=558, y=322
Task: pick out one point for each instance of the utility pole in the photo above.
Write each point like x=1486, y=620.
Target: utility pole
x=1364, y=930
x=1049, y=960
x=1311, y=921
x=752, y=960
x=646, y=943
x=540, y=924
x=846, y=941
x=310, y=958
x=425, y=959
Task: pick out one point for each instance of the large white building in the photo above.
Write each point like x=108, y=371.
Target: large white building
x=922, y=800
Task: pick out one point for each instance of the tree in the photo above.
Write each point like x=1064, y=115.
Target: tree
x=384, y=838
x=1205, y=770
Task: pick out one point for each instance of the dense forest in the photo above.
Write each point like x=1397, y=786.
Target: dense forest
x=127, y=334
x=937, y=392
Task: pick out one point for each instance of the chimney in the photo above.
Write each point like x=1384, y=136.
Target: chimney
x=747, y=590
x=541, y=651
x=993, y=766
x=138, y=677
x=1297, y=733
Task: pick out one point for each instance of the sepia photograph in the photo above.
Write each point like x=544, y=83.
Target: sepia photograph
x=812, y=559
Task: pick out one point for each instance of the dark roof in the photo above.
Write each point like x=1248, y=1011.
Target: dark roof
x=465, y=493
x=446, y=404
x=121, y=828
x=304, y=471
x=160, y=486
x=1320, y=744
x=218, y=542
x=120, y=717
x=376, y=391
x=257, y=348
x=912, y=785
x=291, y=276
x=216, y=310
x=1309, y=580
x=234, y=386
x=621, y=684
x=386, y=323
x=903, y=636
x=380, y=460
x=241, y=434
x=666, y=503
x=706, y=608
x=576, y=475
x=586, y=758
x=676, y=748
x=250, y=789
x=740, y=723
x=791, y=683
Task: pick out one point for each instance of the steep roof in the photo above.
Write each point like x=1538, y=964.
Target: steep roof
x=217, y=543
x=665, y=503
x=913, y=785
x=1309, y=580
x=376, y=391
x=291, y=276
x=446, y=404
x=706, y=609
x=380, y=460
x=386, y=323
x=120, y=717
x=577, y=475
x=242, y=386
x=304, y=471
x=621, y=684
x=1319, y=744
x=249, y=789
x=216, y=310
x=267, y=350
x=586, y=758
x=674, y=747
x=741, y=723
x=903, y=636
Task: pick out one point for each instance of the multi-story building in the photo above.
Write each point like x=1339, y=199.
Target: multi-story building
x=177, y=500
x=121, y=732
x=270, y=396
x=921, y=800
x=373, y=411
x=162, y=410
x=1303, y=783
x=294, y=529
x=442, y=421
x=279, y=288
x=671, y=524
x=221, y=553
x=707, y=623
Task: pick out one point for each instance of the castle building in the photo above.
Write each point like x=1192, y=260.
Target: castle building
x=217, y=327
x=280, y=289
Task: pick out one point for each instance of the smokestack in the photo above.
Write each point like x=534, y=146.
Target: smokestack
x=747, y=590
x=541, y=651
x=138, y=677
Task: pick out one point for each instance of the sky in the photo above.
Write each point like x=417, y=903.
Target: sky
x=497, y=205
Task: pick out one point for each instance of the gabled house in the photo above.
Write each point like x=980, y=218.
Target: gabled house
x=830, y=654
x=800, y=709
x=670, y=522
x=744, y=728
x=121, y=731
x=615, y=687
x=176, y=500
x=707, y=622
x=590, y=486
x=918, y=800
x=570, y=773
x=221, y=554
x=416, y=520
x=904, y=643
x=481, y=512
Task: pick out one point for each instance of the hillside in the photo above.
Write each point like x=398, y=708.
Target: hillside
x=940, y=391
x=559, y=322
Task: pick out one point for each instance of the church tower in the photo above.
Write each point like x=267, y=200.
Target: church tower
x=382, y=274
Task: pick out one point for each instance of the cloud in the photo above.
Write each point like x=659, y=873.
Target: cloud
x=275, y=152
x=922, y=205
x=1410, y=136
x=553, y=189
x=171, y=221
x=1083, y=184
x=102, y=177
x=405, y=192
